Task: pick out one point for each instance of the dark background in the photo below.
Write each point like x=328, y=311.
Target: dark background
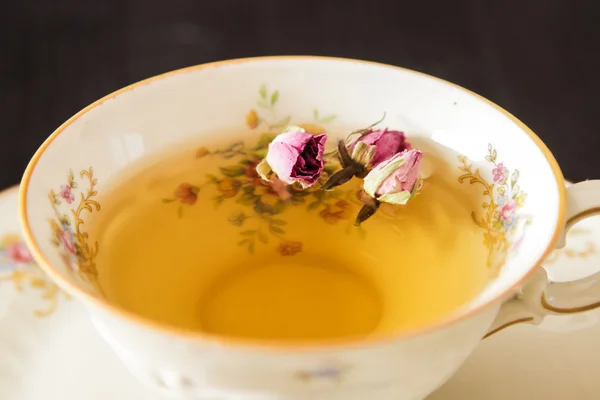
x=538, y=59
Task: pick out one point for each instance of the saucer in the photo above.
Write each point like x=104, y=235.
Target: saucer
x=50, y=350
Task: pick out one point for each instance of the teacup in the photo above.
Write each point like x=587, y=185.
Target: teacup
x=143, y=118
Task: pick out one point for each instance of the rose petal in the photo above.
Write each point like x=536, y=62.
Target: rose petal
x=370, y=138
x=405, y=176
x=284, y=151
x=363, y=153
x=264, y=170
x=395, y=198
x=309, y=165
x=388, y=143
x=380, y=173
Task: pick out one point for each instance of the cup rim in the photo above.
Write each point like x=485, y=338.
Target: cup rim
x=270, y=344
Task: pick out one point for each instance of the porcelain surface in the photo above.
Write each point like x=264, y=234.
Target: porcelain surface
x=61, y=356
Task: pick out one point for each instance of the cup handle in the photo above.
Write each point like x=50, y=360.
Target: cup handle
x=540, y=296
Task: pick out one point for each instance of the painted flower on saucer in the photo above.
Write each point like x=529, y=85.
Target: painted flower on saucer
x=17, y=265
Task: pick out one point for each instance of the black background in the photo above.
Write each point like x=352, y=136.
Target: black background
x=538, y=59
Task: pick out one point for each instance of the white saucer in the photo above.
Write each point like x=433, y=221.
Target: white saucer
x=60, y=356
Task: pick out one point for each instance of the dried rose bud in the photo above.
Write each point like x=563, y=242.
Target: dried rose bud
x=395, y=180
x=370, y=149
x=294, y=156
x=377, y=146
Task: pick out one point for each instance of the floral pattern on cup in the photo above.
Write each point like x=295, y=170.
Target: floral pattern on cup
x=262, y=204
x=332, y=372
x=68, y=235
x=502, y=218
x=17, y=265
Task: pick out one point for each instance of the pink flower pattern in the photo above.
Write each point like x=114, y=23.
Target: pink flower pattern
x=67, y=194
x=503, y=216
x=67, y=238
x=508, y=210
x=19, y=253
x=499, y=173
x=13, y=255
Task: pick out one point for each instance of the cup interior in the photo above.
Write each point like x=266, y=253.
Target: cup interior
x=500, y=161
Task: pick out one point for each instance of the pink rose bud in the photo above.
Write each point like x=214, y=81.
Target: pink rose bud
x=295, y=157
x=395, y=180
x=387, y=143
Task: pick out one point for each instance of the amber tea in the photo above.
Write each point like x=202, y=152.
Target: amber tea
x=195, y=239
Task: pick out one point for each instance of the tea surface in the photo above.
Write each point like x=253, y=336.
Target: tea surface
x=195, y=239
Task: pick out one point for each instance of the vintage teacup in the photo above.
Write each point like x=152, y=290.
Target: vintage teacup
x=143, y=118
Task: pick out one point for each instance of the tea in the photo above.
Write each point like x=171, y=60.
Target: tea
x=196, y=240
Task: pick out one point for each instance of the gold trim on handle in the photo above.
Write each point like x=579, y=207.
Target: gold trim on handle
x=579, y=216
x=506, y=325
x=544, y=301
x=571, y=310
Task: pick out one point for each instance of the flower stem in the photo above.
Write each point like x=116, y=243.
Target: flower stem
x=340, y=177
x=366, y=130
x=350, y=168
x=367, y=211
x=345, y=158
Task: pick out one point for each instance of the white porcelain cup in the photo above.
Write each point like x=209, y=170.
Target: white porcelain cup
x=524, y=214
